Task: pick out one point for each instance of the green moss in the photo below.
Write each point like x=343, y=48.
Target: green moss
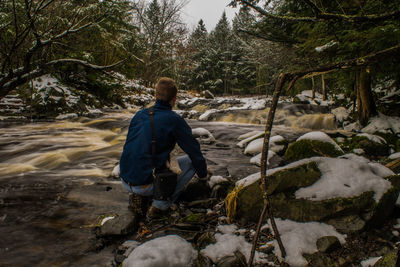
x=310, y=148
x=192, y=218
x=389, y=260
x=371, y=148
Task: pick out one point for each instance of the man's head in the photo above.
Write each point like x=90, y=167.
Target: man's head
x=166, y=90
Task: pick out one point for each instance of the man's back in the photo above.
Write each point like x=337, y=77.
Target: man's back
x=136, y=160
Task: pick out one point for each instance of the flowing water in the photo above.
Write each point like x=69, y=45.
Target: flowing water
x=55, y=184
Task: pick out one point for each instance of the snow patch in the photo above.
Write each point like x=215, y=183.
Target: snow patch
x=394, y=156
x=370, y=262
x=299, y=238
x=257, y=159
x=216, y=180
x=383, y=124
x=170, y=250
x=373, y=138
x=346, y=178
x=319, y=136
x=228, y=243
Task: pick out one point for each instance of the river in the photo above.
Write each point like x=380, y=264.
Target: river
x=55, y=184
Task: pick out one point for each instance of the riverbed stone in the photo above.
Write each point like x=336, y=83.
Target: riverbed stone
x=310, y=148
x=372, y=149
x=320, y=259
x=236, y=260
x=121, y=225
x=327, y=244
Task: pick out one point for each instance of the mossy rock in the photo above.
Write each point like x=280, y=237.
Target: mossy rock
x=388, y=260
x=395, y=181
x=372, y=149
x=390, y=138
x=349, y=214
x=310, y=148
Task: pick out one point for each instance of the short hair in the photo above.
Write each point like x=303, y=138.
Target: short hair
x=166, y=89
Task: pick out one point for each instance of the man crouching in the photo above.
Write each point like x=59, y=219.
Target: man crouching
x=153, y=134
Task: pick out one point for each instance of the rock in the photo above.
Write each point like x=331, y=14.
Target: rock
x=236, y=260
x=207, y=94
x=206, y=239
x=310, y=148
x=202, y=261
x=196, y=189
x=348, y=224
x=388, y=260
x=371, y=148
x=346, y=214
x=328, y=244
x=121, y=225
x=319, y=259
x=221, y=190
x=124, y=250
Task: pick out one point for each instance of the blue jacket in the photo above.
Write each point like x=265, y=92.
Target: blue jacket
x=170, y=128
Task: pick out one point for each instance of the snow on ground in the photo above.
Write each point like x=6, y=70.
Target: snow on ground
x=394, y=156
x=116, y=171
x=299, y=238
x=342, y=177
x=250, y=103
x=347, y=176
x=250, y=138
x=319, y=136
x=383, y=124
x=216, y=180
x=201, y=132
x=257, y=159
x=106, y=219
x=228, y=242
x=67, y=116
x=370, y=262
x=341, y=114
x=256, y=145
x=249, y=134
x=168, y=251
x=207, y=114
x=306, y=96
x=373, y=138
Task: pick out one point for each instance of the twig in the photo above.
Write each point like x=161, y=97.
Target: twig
x=264, y=155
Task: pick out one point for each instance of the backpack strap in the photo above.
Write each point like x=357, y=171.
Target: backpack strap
x=153, y=136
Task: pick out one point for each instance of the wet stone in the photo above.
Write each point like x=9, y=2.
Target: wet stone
x=121, y=225
x=327, y=244
x=237, y=260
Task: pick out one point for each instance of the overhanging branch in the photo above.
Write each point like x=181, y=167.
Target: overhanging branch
x=322, y=16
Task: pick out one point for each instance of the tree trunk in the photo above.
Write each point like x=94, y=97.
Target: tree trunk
x=366, y=104
x=313, y=88
x=324, y=95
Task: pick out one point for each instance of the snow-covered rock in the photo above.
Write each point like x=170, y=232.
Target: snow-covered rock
x=168, y=251
x=319, y=136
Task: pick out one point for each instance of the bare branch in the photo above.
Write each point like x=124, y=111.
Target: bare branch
x=84, y=63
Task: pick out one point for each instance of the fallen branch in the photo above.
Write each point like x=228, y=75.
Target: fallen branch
x=264, y=155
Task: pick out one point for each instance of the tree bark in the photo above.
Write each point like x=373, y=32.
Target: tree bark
x=313, y=88
x=324, y=94
x=367, y=107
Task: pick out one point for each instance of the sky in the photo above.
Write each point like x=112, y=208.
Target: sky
x=208, y=10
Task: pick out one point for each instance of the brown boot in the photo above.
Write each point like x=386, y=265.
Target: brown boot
x=155, y=213
x=137, y=204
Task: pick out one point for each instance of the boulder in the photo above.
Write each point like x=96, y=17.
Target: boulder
x=287, y=186
x=310, y=148
x=372, y=147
